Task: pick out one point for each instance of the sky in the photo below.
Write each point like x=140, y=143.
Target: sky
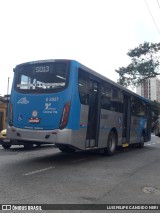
x=97, y=33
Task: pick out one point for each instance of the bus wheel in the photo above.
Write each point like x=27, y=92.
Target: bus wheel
x=141, y=144
x=64, y=148
x=28, y=146
x=6, y=146
x=111, y=144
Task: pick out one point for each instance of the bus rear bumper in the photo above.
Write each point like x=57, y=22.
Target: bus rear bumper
x=39, y=136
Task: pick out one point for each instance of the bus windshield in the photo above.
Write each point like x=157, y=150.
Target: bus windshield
x=41, y=77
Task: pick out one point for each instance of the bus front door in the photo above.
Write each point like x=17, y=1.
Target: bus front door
x=126, y=119
x=93, y=115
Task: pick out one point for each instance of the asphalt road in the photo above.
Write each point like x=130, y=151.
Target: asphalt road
x=47, y=176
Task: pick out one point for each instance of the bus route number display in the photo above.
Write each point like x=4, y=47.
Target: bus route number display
x=42, y=69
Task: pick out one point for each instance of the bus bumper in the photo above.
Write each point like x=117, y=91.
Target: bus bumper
x=39, y=136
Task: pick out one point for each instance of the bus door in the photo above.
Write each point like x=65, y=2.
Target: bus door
x=93, y=115
x=126, y=119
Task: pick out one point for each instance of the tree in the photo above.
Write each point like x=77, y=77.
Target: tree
x=144, y=64
x=155, y=109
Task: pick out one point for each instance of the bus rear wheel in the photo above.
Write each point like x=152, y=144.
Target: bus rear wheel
x=6, y=146
x=28, y=146
x=65, y=148
x=111, y=144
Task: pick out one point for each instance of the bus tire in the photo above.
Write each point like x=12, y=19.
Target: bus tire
x=111, y=144
x=28, y=146
x=6, y=146
x=65, y=148
x=141, y=144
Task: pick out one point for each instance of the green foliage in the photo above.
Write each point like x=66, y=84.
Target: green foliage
x=155, y=109
x=144, y=64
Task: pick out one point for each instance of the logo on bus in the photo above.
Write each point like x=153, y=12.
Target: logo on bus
x=49, y=109
x=34, y=113
x=23, y=101
x=20, y=117
x=34, y=120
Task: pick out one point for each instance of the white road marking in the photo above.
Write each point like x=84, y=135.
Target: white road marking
x=154, y=143
x=38, y=171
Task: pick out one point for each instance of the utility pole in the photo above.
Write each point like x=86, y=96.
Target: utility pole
x=8, y=87
x=7, y=97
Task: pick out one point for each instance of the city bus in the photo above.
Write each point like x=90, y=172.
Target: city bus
x=65, y=103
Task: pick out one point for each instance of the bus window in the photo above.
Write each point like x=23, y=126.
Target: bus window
x=93, y=93
x=138, y=107
x=47, y=77
x=83, y=85
x=116, y=100
x=106, y=96
x=25, y=82
x=111, y=98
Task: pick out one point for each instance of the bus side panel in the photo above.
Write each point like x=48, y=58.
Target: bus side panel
x=74, y=115
x=79, y=137
x=79, y=112
x=138, y=125
x=104, y=128
x=75, y=135
x=110, y=120
x=142, y=126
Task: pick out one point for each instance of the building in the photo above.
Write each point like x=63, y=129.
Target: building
x=150, y=89
x=3, y=109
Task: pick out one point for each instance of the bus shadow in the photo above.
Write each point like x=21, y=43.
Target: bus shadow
x=58, y=158
x=83, y=157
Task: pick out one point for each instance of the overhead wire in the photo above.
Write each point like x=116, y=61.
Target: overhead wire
x=152, y=15
x=158, y=4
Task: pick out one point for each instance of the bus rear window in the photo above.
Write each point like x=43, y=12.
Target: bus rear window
x=41, y=78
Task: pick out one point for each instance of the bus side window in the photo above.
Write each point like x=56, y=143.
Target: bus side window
x=106, y=97
x=134, y=106
x=142, y=109
x=83, y=86
x=117, y=103
x=93, y=93
x=138, y=107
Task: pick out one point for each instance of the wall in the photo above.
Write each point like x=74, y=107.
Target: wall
x=3, y=108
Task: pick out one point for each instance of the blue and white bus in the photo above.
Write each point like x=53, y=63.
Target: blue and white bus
x=65, y=103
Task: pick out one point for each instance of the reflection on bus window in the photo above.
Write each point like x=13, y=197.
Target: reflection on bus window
x=106, y=97
x=111, y=98
x=138, y=107
x=83, y=84
x=42, y=77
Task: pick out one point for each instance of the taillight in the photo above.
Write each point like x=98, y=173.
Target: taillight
x=65, y=115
